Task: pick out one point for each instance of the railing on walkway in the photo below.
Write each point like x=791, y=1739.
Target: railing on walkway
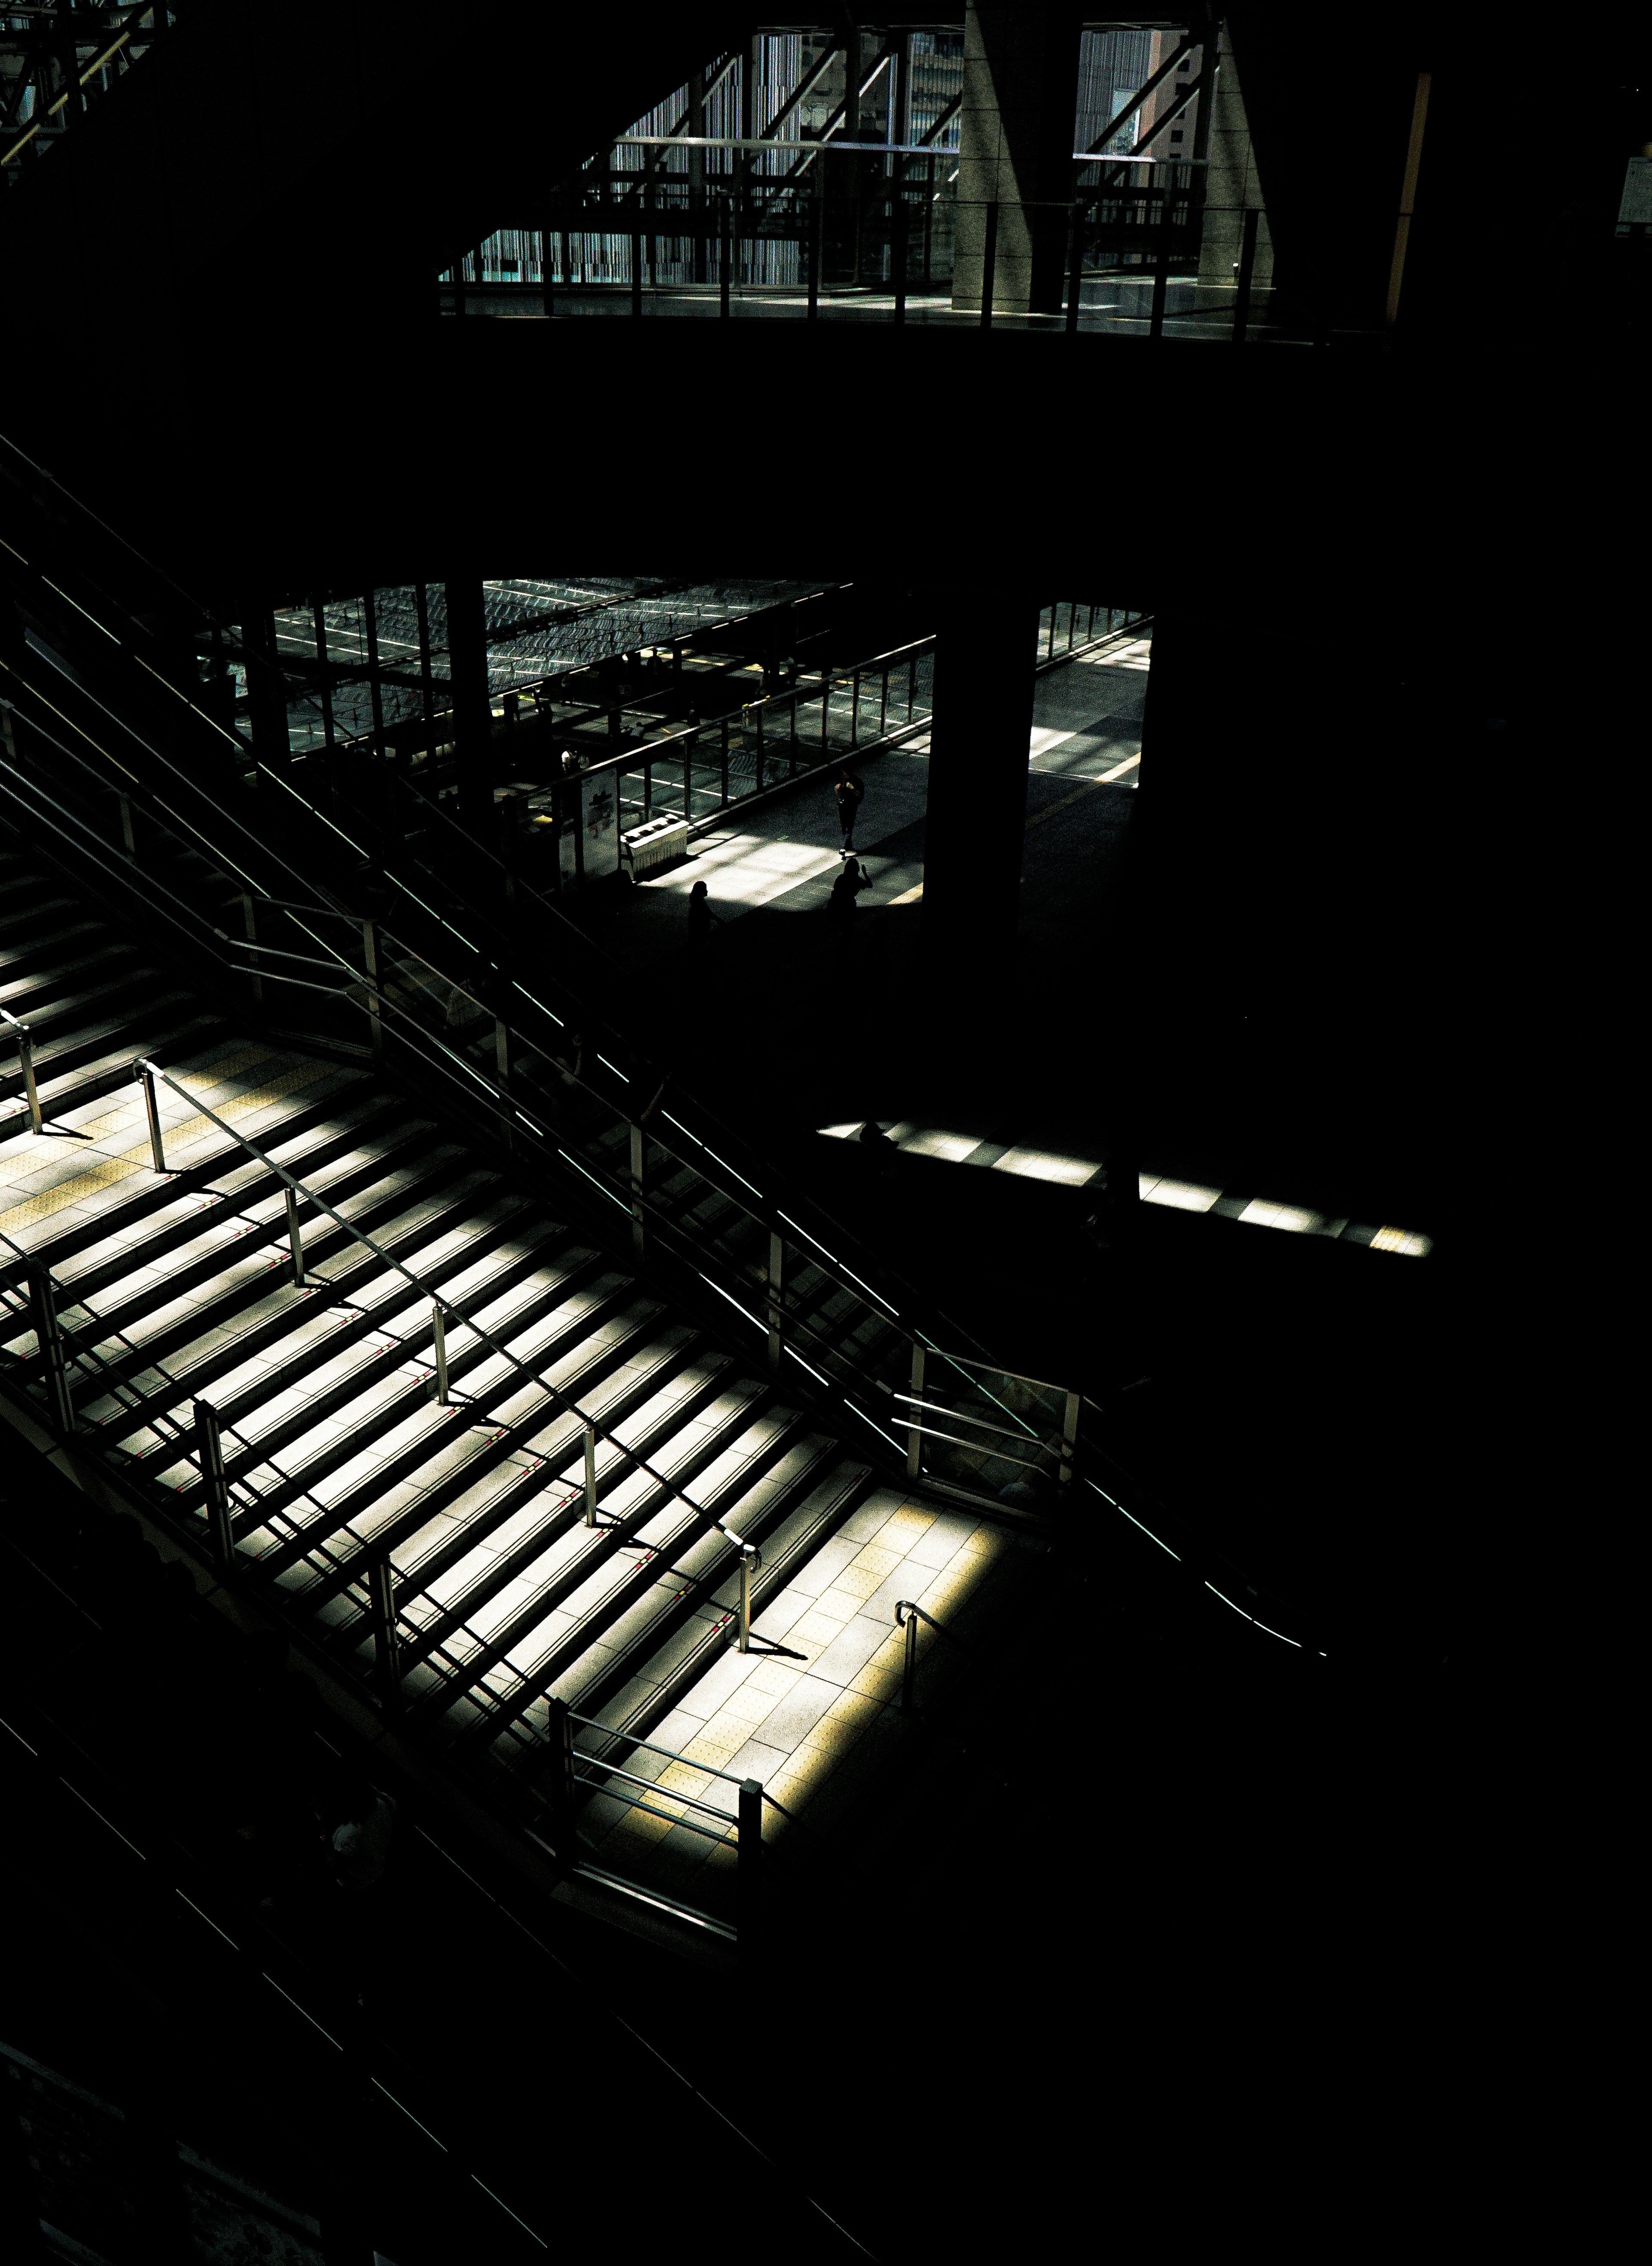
x=90, y=56
x=514, y=1065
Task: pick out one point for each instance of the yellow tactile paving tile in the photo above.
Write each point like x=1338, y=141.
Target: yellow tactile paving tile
x=178, y=1138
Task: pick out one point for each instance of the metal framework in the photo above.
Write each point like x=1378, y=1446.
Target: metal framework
x=55, y=62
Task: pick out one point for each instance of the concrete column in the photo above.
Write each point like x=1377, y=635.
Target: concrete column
x=472, y=718
x=1232, y=187
x=1021, y=90
x=976, y=811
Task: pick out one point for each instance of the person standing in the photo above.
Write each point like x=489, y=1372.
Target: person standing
x=850, y=794
x=700, y=915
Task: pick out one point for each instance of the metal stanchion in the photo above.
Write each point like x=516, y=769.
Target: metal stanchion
x=438, y=1332
x=638, y=1232
x=561, y=1786
x=777, y=1281
x=25, y=1064
x=750, y=1560
x=209, y=1449
x=299, y=1279
x=591, y=1474
x=914, y=1434
x=151, y=1108
x=749, y=1865
x=386, y=1667
x=49, y=1332
x=906, y=1619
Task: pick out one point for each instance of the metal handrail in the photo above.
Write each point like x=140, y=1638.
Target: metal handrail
x=907, y=1616
x=148, y=1070
x=25, y=1059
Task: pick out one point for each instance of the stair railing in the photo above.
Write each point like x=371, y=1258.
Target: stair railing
x=442, y=1309
x=907, y=1616
x=25, y=1064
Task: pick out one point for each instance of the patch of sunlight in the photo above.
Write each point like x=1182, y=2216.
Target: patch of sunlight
x=747, y=870
x=1291, y=1216
x=1044, y=1164
x=954, y=1147
x=1186, y=1196
x=1399, y=1239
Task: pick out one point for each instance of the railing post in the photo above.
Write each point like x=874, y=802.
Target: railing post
x=1075, y=264
x=639, y=1233
x=988, y=261
x=25, y=1064
x=1247, y=267
x=914, y=1436
x=883, y=702
x=151, y=1108
x=209, y=1449
x=755, y=713
x=381, y=1577
x=49, y=1333
x=750, y=1560
x=501, y=1058
x=724, y=774
x=777, y=1284
x=906, y=1618
x=252, y=938
x=748, y=1866
x=301, y=1281
x=1069, y=1437
x=591, y=1474
x=369, y=954
x=688, y=777
x=561, y=1786
x=723, y=260
x=854, y=706
x=438, y=1332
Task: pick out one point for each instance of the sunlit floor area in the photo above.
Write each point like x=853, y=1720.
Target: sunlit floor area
x=1156, y=1188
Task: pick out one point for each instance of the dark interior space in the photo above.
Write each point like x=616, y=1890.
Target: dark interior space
x=885, y=1562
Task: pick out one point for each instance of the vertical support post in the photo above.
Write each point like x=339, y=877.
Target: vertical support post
x=909, y=1661
x=369, y=955
x=128, y=840
x=25, y=1064
x=988, y=261
x=724, y=761
x=1161, y=270
x=750, y=1560
x=776, y=1286
x=591, y=1474
x=374, y=685
x=49, y=1331
x=151, y=1110
x=687, y=776
x=883, y=701
x=897, y=222
x=817, y=236
x=725, y=248
x=636, y=270
x=1247, y=264
x=439, y=1334
x=912, y=689
x=301, y=1281
x=249, y=917
x=748, y=1866
x=1069, y=1437
x=427, y=688
x=547, y=289
x=854, y=706
x=914, y=1436
x=209, y=1450
x=319, y=622
x=501, y=1059
x=639, y=1231
x=1075, y=264
x=386, y=1668
x=560, y=1784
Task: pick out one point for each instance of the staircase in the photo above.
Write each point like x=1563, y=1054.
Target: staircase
x=337, y=1451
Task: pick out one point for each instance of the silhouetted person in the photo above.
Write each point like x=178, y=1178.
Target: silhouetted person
x=845, y=889
x=700, y=915
x=849, y=795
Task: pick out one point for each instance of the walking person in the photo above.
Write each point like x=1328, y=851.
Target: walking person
x=850, y=794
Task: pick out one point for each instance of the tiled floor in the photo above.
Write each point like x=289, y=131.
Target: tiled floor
x=790, y=1716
